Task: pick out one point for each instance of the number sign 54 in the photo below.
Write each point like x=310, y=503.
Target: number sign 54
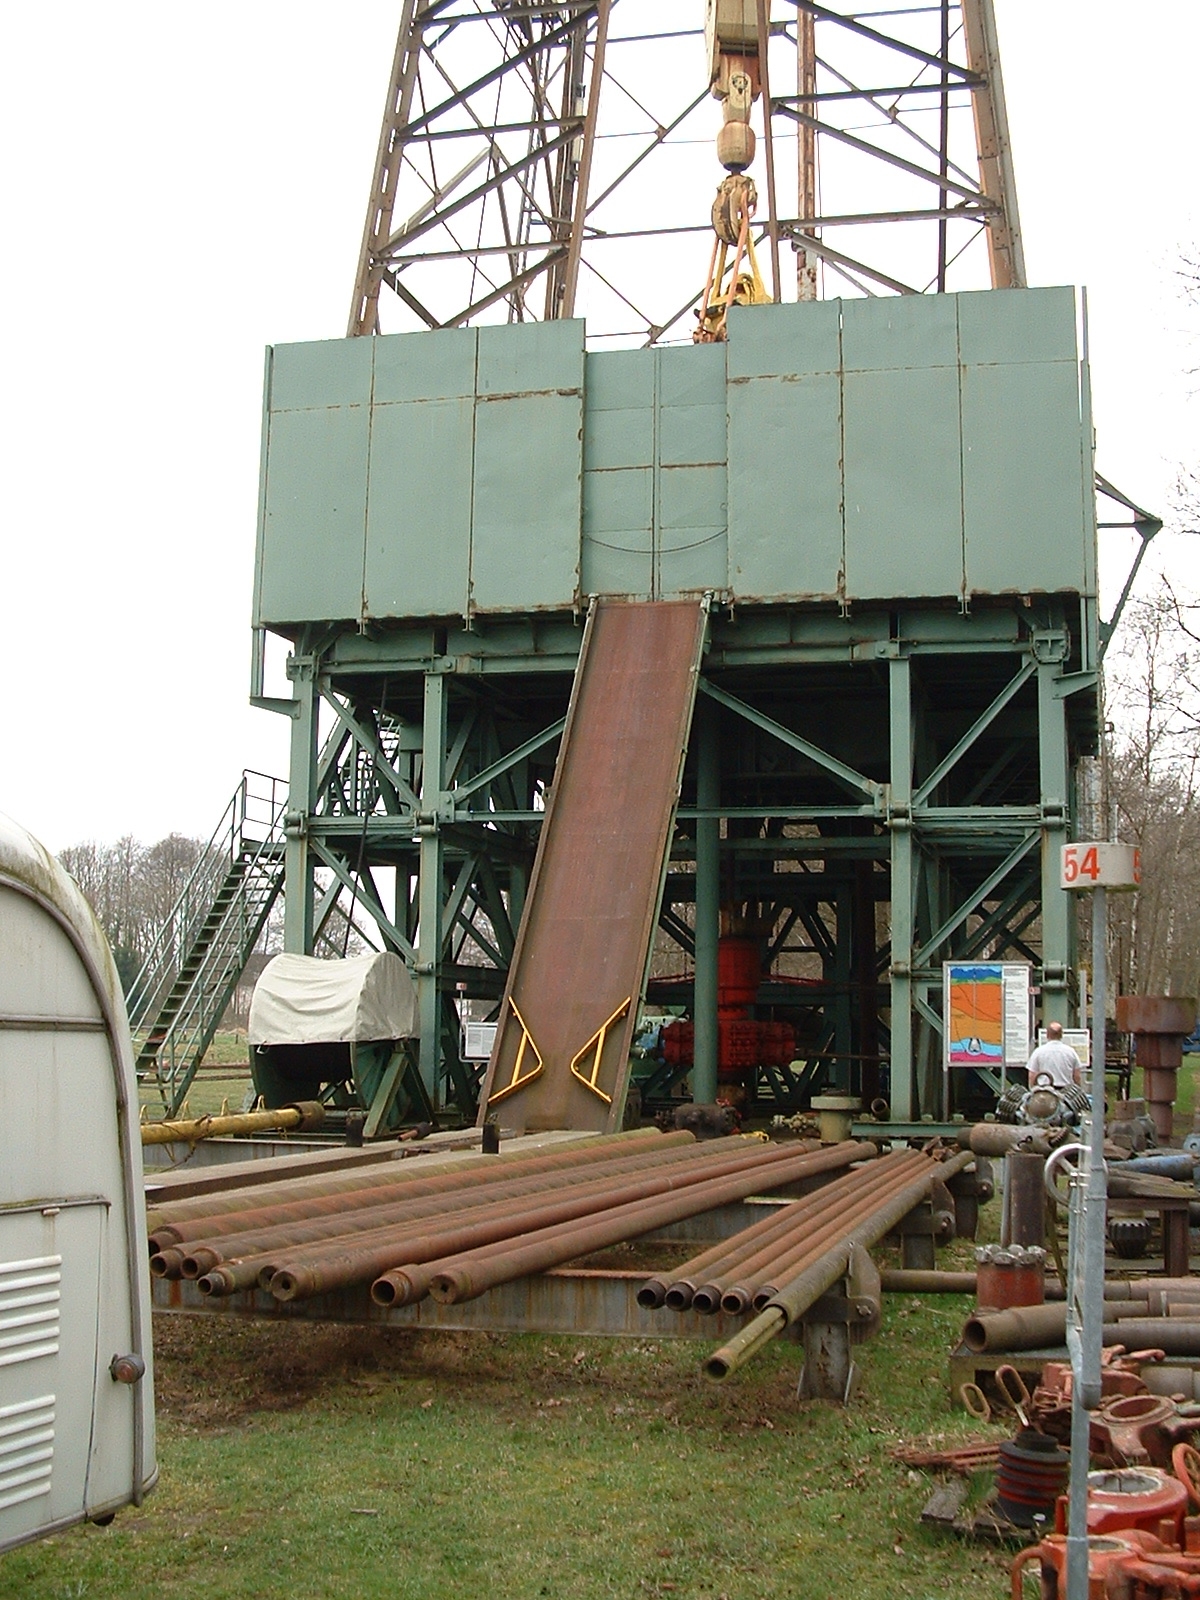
x=1101, y=865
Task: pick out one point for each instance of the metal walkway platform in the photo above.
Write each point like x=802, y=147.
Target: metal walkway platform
x=570, y=1005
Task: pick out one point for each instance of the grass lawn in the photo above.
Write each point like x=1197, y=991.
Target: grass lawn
x=315, y=1461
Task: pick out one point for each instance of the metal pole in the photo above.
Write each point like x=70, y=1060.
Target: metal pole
x=429, y=927
x=903, y=910
x=1085, y=1308
x=708, y=906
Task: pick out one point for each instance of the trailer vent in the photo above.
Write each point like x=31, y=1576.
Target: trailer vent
x=26, y=1450
x=29, y=1302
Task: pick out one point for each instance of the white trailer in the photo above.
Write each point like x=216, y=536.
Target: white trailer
x=76, y=1388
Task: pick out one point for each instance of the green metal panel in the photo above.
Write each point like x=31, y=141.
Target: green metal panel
x=617, y=550
x=327, y=372
x=527, y=467
x=314, y=512
x=903, y=483
x=418, y=503
x=785, y=451
x=899, y=331
x=853, y=450
x=425, y=366
x=1022, y=506
x=690, y=435
x=1016, y=325
x=617, y=555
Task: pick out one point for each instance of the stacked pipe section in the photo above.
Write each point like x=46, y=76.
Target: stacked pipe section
x=455, y=1231
x=829, y=1255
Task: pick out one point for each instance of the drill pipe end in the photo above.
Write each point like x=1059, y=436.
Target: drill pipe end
x=707, y=1299
x=448, y=1288
x=679, y=1295
x=723, y=1363
x=652, y=1294
x=198, y=1262
x=162, y=1239
x=167, y=1263
x=735, y=1301
x=292, y=1285
x=394, y=1288
x=215, y=1283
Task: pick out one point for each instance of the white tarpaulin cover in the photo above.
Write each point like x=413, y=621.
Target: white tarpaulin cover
x=304, y=1000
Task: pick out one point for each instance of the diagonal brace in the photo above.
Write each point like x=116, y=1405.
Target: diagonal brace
x=990, y=883
x=370, y=744
x=838, y=769
x=482, y=779
x=365, y=892
x=980, y=726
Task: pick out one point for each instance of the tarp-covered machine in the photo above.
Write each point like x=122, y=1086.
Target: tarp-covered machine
x=340, y=1032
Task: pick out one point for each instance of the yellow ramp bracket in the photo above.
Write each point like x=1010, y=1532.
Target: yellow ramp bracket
x=596, y=1044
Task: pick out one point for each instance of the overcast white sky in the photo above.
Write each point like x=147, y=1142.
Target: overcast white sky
x=185, y=185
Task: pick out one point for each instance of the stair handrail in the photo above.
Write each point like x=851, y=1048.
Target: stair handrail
x=168, y=948
x=223, y=957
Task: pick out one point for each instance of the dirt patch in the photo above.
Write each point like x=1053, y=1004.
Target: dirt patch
x=211, y=1374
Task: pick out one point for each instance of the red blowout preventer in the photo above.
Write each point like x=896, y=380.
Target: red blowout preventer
x=742, y=1043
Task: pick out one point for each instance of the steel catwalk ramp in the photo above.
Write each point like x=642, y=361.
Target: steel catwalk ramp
x=561, y=1055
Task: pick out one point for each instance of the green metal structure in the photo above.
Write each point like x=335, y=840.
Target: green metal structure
x=888, y=507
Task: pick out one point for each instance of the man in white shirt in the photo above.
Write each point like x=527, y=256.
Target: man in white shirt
x=1054, y=1060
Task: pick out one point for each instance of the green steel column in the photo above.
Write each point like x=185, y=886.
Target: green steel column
x=900, y=823
x=1053, y=762
x=302, y=785
x=429, y=926
x=708, y=904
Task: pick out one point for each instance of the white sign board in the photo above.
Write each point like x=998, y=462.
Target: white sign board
x=1080, y=1040
x=1100, y=865
x=477, y=1040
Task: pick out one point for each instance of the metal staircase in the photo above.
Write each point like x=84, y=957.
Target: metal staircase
x=200, y=952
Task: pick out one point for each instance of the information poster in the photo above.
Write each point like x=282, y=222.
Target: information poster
x=986, y=1014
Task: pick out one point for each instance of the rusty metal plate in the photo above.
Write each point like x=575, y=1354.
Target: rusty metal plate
x=561, y=1056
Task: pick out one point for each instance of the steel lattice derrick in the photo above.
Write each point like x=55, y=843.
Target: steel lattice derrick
x=540, y=161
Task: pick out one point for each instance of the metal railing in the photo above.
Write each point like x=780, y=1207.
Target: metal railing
x=189, y=975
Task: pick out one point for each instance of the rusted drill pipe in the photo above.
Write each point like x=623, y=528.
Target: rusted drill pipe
x=1174, y=1336
x=455, y=1211
x=304, y=1116
x=806, y=1288
x=766, y=1289
x=908, y=1280
x=478, y=1169
x=1027, y=1327
x=300, y=1278
x=327, y=1195
x=200, y=1256
x=302, y=1274
x=653, y=1293
x=469, y=1275
x=759, y=1288
x=478, y=1175
x=736, y=1286
x=811, y=1213
x=831, y=1204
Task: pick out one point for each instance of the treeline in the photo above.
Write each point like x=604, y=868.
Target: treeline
x=131, y=887
x=1153, y=793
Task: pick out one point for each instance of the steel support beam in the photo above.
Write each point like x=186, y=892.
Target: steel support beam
x=708, y=903
x=302, y=795
x=903, y=901
x=430, y=893
x=1053, y=759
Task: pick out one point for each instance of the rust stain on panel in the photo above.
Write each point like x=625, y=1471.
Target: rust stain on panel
x=570, y=1005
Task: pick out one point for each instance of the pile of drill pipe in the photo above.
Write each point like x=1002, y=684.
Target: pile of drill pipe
x=813, y=1275
x=463, y=1229
x=1139, y=1313
x=748, y=1269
